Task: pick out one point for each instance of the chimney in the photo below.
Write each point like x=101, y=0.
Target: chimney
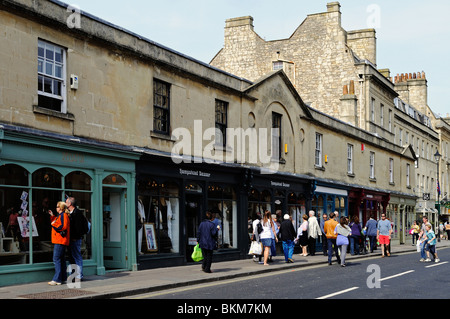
x=239, y=22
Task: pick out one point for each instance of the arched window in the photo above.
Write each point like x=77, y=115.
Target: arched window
x=114, y=180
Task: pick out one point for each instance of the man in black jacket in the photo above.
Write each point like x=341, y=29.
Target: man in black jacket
x=77, y=221
x=287, y=232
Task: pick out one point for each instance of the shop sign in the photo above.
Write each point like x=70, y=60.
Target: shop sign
x=280, y=184
x=194, y=173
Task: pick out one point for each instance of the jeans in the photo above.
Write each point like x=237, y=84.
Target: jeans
x=59, y=259
x=288, y=248
x=423, y=254
x=373, y=242
x=332, y=247
x=75, y=256
x=354, y=245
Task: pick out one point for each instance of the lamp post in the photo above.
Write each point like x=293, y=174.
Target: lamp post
x=437, y=157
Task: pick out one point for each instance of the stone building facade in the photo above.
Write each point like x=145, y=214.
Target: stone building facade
x=335, y=71
x=132, y=130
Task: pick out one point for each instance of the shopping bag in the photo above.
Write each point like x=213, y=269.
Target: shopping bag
x=419, y=246
x=197, y=255
x=255, y=248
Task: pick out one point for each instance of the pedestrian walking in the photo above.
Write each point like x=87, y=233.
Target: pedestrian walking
x=302, y=236
x=314, y=232
x=329, y=227
x=206, y=239
x=324, y=236
x=447, y=229
x=343, y=232
x=384, y=231
x=371, y=232
x=257, y=229
x=423, y=238
x=266, y=235
x=355, y=237
x=287, y=233
x=431, y=247
x=60, y=223
x=415, y=230
x=78, y=228
x=273, y=248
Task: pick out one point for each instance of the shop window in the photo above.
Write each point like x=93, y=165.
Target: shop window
x=223, y=205
x=47, y=178
x=13, y=175
x=78, y=180
x=158, y=218
x=296, y=208
x=27, y=240
x=114, y=180
x=258, y=203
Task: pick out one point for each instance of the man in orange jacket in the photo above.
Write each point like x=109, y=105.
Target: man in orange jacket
x=60, y=238
x=329, y=227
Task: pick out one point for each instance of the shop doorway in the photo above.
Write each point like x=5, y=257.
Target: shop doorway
x=114, y=239
x=193, y=209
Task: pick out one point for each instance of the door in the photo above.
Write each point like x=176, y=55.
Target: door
x=193, y=218
x=114, y=239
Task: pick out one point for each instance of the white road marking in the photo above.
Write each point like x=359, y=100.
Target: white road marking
x=338, y=293
x=437, y=264
x=398, y=275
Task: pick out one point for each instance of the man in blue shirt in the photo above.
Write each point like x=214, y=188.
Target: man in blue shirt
x=384, y=231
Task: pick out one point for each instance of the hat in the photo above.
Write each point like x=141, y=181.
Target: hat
x=286, y=216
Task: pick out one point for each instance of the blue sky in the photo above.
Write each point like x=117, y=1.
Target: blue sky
x=413, y=35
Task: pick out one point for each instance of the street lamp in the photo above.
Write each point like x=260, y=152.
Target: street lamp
x=437, y=157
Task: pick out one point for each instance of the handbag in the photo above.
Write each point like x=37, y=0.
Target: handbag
x=197, y=255
x=255, y=248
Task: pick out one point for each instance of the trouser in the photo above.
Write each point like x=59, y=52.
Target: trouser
x=332, y=247
x=324, y=245
x=288, y=249
x=75, y=256
x=354, y=245
x=343, y=249
x=207, y=259
x=59, y=259
x=422, y=251
x=312, y=246
x=373, y=242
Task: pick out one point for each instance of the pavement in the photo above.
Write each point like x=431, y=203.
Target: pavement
x=128, y=283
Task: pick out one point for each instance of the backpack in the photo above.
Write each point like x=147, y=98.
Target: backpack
x=86, y=225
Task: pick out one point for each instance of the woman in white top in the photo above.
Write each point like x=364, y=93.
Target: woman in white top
x=266, y=235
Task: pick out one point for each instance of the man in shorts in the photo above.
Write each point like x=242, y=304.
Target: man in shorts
x=384, y=231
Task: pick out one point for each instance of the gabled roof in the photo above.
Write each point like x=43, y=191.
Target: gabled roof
x=285, y=78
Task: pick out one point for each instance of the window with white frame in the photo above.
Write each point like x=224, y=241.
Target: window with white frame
x=349, y=158
x=391, y=170
x=390, y=120
x=408, y=171
x=400, y=133
x=51, y=77
x=372, y=165
x=318, y=153
x=382, y=115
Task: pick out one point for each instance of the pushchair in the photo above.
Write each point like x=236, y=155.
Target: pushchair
x=363, y=244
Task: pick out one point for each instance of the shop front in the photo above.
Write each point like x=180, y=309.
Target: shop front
x=400, y=211
x=367, y=203
x=37, y=170
x=172, y=200
x=280, y=194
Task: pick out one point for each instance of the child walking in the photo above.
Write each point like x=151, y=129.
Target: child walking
x=431, y=236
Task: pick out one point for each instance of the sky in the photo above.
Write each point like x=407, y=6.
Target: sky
x=412, y=35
